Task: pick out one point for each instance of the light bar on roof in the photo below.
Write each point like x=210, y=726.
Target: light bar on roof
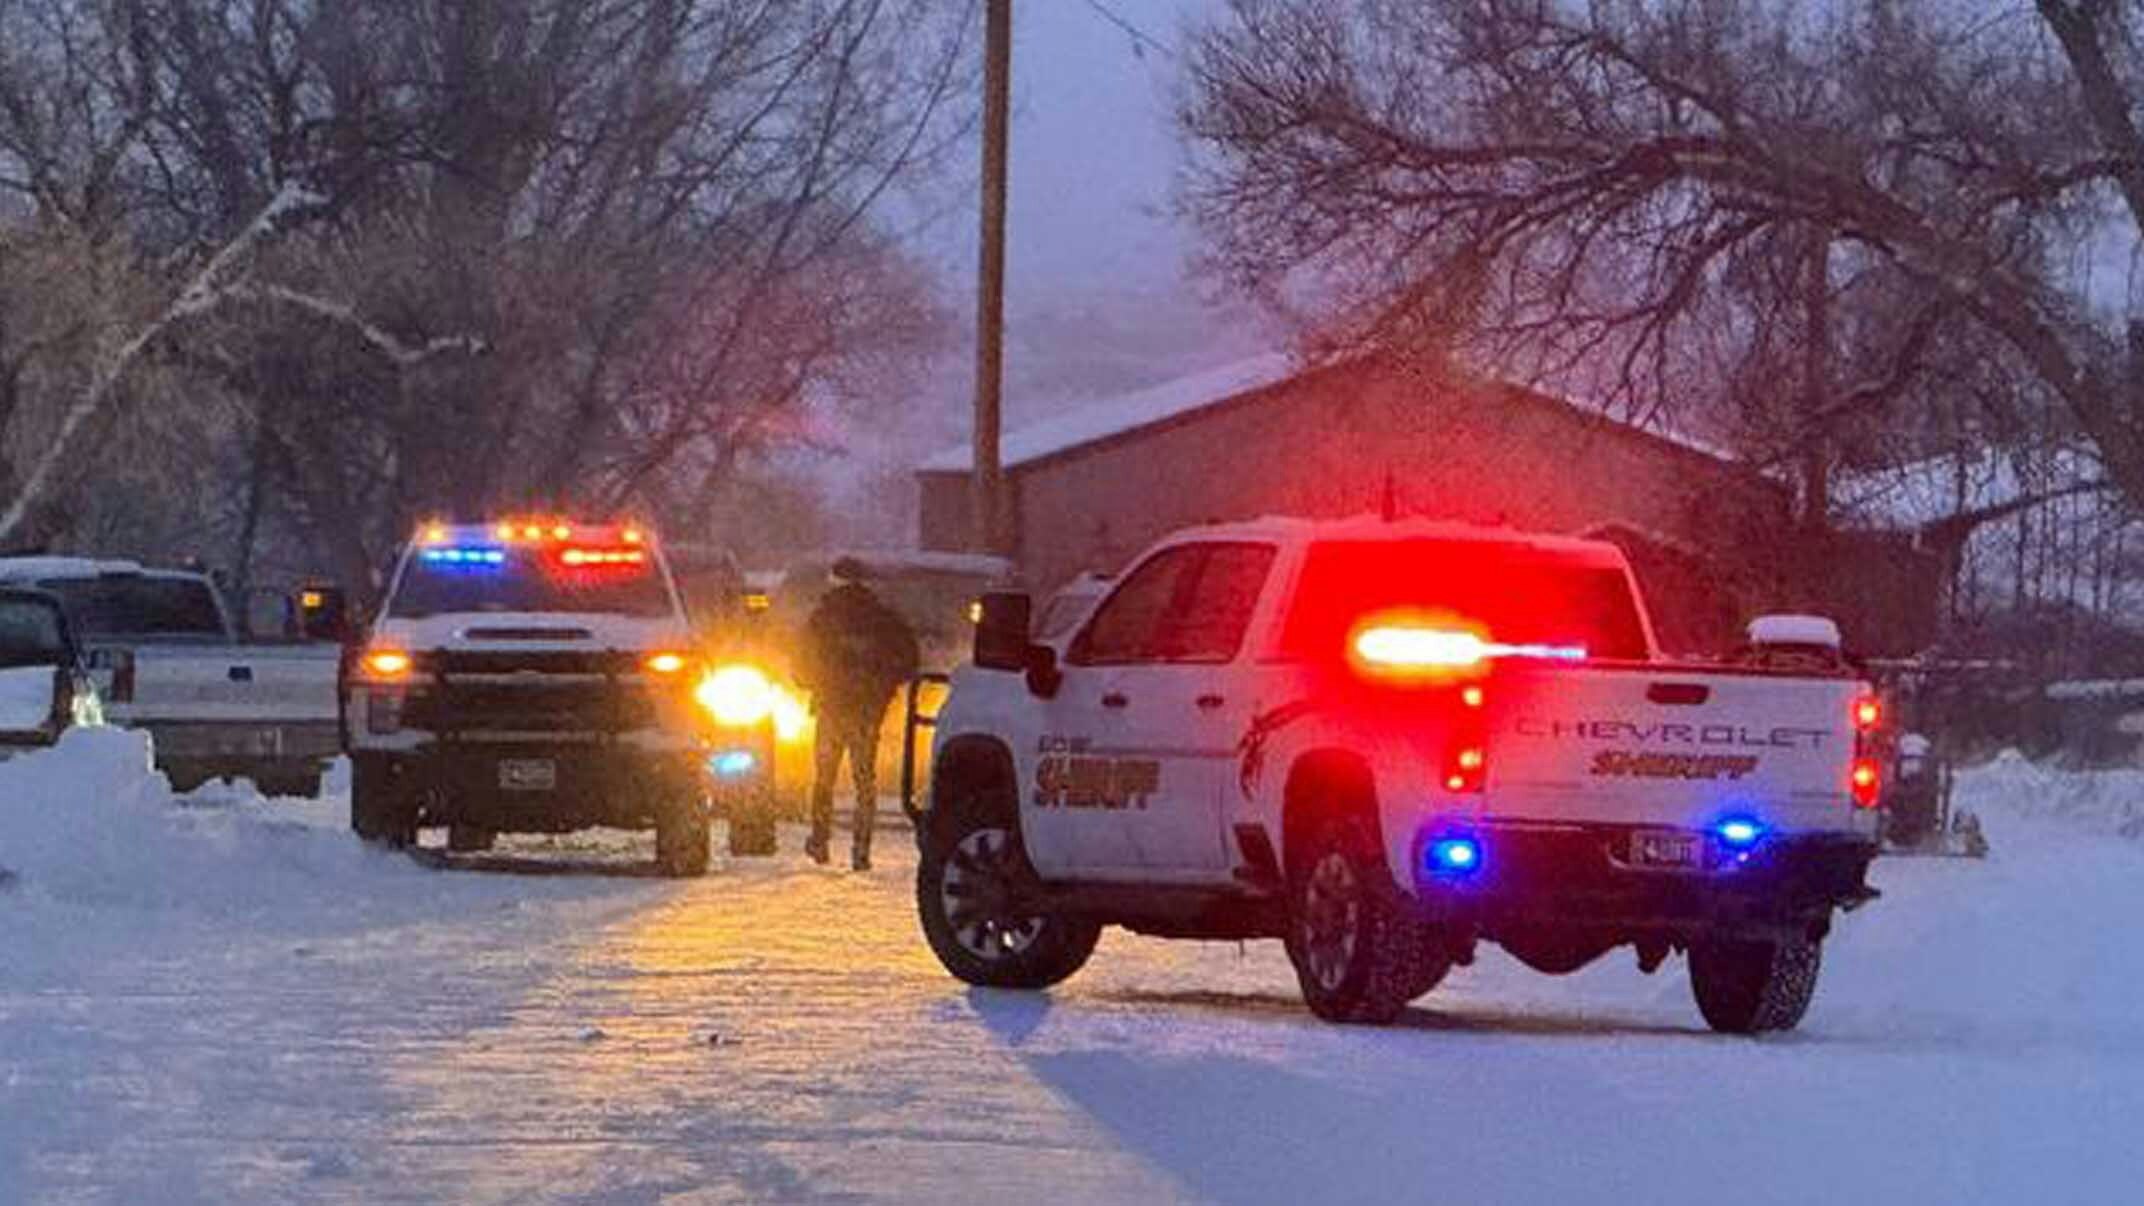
x=463, y=556
x=579, y=556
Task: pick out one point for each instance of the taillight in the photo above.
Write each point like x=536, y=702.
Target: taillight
x=123, y=676
x=1466, y=756
x=1867, y=714
x=1864, y=778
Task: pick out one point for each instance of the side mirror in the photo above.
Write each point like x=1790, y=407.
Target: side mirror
x=1001, y=640
x=1043, y=676
x=323, y=612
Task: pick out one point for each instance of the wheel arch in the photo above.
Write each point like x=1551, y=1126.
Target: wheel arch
x=972, y=771
x=1323, y=783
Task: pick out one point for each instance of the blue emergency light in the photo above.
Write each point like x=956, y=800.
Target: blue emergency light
x=732, y=763
x=1739, y=833
x=460, y=556
x=1453, y=856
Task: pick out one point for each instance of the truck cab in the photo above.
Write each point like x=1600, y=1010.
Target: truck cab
x=1385, y=743
x=533, y=675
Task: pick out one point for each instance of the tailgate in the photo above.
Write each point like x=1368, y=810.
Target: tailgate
x=232, y=683
x=1662, y=745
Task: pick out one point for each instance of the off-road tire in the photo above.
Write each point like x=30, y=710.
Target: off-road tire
x=1430, y=966
x=1753, y=986
x=975, y=858
x=378, y=812
x=681, y=838
x=1359, y=952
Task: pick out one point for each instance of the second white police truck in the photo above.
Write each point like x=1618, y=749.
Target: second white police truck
x=539, y=675
x=1386, y=743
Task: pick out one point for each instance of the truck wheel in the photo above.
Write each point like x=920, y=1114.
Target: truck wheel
x=681, y=837
x=968, y=888
x=378, y=812
x=1358, y=953
x=1748, y=987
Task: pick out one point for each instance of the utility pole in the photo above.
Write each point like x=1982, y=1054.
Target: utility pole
x=987, y=478
x=1816, y=385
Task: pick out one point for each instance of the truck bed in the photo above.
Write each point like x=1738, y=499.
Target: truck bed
x=1672, y=744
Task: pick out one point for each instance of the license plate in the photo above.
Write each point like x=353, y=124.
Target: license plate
x=1667, y=850
x=527, y=774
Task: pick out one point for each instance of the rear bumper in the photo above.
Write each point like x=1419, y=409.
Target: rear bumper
x=195, y=751
x=1572, y=877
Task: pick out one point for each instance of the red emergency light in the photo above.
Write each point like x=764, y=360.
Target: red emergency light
x=579, y=556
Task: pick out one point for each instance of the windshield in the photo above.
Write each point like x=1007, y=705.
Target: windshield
x=528, y=580
x=30, y=634
x=137, y=605
x=1517, y=595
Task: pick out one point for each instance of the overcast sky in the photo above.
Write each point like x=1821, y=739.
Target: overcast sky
x=1092, y=151
x=1097, y=296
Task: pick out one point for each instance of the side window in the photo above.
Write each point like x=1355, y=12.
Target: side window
x=1208, y=626
x=1124, y=628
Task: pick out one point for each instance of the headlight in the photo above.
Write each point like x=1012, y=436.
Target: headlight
x=737, y=696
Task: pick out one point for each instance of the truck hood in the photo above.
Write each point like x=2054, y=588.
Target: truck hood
x=545, y=630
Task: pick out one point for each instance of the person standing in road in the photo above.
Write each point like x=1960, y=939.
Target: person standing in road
x=856, y=653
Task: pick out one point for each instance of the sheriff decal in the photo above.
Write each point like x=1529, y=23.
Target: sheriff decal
x=1067, y=776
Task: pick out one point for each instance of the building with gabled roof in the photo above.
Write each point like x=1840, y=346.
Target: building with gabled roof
x=1090, y=487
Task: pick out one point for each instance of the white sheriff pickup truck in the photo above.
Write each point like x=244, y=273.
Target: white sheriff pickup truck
x=1385, y=743
x=541, y=676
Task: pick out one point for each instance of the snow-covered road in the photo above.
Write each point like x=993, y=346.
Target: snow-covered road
x=276, y=1015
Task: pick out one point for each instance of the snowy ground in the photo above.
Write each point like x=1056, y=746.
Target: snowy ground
x=227, y=1000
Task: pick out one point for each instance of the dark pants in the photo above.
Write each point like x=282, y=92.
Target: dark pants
x=854, y=735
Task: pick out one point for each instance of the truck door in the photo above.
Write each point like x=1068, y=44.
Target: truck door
x=1094, y=767
x=1152, y=670
x=1186, y=711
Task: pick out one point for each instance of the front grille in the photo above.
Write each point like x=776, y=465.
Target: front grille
x=451, y=662
x=594, y=705
x=528, y=634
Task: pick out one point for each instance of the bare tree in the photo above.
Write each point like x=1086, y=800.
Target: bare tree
x=571, y=251
x=1616, y=196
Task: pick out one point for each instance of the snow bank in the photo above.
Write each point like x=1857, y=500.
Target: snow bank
x=89, y=822
x=2104, y=801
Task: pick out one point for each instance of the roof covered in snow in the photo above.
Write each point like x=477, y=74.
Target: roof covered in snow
x=1157, y=404
x=1124, y=413
x=23, y=569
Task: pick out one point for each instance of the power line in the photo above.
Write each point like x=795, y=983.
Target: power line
x=1141, y=39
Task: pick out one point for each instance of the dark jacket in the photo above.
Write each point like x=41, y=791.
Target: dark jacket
x=857, y=652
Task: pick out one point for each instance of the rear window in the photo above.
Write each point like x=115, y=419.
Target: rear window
x=528, y=579
x=127, y=605
x=29, y=634
x=1516, y=595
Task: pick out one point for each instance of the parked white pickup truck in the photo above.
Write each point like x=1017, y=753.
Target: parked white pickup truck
x=1385, y=743
x=166, y=657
